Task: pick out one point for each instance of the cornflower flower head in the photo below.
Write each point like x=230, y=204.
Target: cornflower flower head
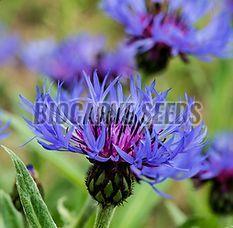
x=124, y=135
x=9, y=45
x=218, y=169
x=66, y=60
x=161, y=29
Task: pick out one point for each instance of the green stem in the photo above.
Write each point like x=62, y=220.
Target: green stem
x=85, y=214
x=104, y=216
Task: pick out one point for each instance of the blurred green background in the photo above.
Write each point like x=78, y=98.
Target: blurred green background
x=62, y=174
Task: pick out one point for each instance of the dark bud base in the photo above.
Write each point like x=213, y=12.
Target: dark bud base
x=221, y=197
x=109, y=183
x=154, y=60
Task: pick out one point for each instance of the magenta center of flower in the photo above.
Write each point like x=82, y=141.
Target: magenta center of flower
x=169, y=20
x=122, y=137
x=120, y=132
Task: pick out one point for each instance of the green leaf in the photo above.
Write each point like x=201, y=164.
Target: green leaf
x=35, y=210
x=9, y=216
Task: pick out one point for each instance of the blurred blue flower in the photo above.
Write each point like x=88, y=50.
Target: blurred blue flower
x=219, y=163
x=3, y=130
x=160, y=29
x=9, y=45
x=36, y=54
x=66, y=60
x=218, y=170
x=120, y=61
x=114, y=127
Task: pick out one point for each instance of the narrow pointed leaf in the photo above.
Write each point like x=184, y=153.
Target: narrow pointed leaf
x=35, y=210
x=9, y=216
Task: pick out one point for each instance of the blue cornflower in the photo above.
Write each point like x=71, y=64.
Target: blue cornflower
x=9, y=45
x=66, y=60
x=160, y=29
x=119, y=133
x=218, y=169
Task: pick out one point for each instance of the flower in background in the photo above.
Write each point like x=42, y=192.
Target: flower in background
x=121, y=61
x=68, y=59
x=219, y=171
x=9, y=45
x=3, y=129
x=36, y=53
x=119, y=135
x=65, y=60
x=162, y=29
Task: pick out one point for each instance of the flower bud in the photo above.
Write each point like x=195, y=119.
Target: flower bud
x=110, y=183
